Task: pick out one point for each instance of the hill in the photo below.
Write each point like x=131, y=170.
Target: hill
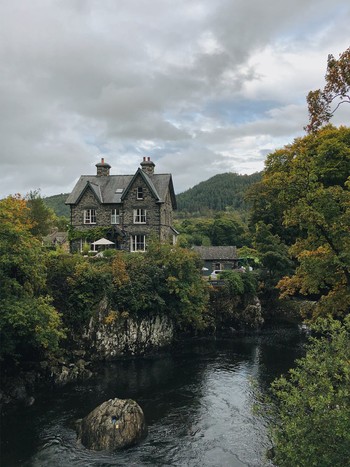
x=216, y=194
x=56, y=202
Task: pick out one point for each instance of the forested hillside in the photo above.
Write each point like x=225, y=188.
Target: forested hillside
x=216, y=194
x=56, y=202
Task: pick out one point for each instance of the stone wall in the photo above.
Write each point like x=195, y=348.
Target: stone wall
x=124, y=336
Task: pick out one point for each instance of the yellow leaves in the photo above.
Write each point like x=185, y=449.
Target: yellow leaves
x=289, y=286
x=320, y=253
x=119, y=272
x=111, y=317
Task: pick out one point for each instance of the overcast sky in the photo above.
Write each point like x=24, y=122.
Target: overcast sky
x=200, y=86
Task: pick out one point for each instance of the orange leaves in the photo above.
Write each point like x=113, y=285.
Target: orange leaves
x=119, y=272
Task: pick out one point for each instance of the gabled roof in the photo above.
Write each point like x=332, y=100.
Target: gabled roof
x=213, y=253
x=111, y=189
x=148, y=182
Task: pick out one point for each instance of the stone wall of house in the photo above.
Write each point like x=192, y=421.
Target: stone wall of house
x=88, y=201
x=152, y=225
x=166, y=220
x=103, y=212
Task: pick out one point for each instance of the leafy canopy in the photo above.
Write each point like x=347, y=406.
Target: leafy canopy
x=312, y=404
x=308, y=180
x=28, y=322
x=323, y=103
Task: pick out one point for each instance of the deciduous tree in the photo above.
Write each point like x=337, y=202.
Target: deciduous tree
x=324, y=103
x=28, y=322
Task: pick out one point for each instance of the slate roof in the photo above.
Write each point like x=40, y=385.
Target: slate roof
x=110, y=189
x=212, y=253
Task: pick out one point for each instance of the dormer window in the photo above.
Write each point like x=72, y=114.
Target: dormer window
x=90, y=216
x=139, y=192
x=139, y=216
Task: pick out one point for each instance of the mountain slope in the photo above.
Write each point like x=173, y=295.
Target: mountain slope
x=217, y=193
x=56, y=202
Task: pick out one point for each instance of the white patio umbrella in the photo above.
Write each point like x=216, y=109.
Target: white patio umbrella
x=102, y=241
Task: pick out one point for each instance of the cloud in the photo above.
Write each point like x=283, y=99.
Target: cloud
x=202, y=87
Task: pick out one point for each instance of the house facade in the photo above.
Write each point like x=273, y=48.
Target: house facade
x=129, y=209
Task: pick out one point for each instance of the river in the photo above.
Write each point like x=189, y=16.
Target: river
x=197, y=402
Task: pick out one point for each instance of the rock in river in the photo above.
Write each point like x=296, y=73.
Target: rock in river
x=115, y=424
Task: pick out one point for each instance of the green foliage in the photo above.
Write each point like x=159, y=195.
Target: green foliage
x=312, y=404
x=228, y=229
x=165, y=279
x=216, y=194
x=307, y=184
x=77, y=286
x=57, y=204
x=29, y=326
x=186, y=293
x=41, y=217
x=88, y=235
x=28, y=322
x=225, y=228
x=233, y=282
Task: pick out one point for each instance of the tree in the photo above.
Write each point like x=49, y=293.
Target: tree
x=28, y=322
x=42, y=218
x=309, y=180
x=336, y=92
x=311, y=406
x=227, y=229
x=273, y=254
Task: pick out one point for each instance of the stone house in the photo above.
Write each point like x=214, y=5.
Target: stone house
x=130, y=209
x=217, y=258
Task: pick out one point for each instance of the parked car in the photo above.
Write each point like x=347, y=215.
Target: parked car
x=214, y=275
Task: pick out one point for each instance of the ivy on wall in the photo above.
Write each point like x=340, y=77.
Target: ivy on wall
x=89, y=235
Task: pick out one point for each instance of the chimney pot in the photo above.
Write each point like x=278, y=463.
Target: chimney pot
x=102, y=160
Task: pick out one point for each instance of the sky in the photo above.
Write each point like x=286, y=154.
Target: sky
x=200, y=86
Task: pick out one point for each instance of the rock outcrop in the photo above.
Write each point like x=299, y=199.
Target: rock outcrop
x=111, y=335
x=115, y=424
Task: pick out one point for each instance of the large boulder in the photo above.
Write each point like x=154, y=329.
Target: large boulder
x=115, y=424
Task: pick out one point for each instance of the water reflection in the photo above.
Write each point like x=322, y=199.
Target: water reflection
x=197, y=402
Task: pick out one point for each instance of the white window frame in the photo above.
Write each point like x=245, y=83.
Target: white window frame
x=89, y=216
x=115, y=216
x=139, y=192
x=140, y=216
x=137, y=242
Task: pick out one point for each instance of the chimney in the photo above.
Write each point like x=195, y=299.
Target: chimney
x=148, y=166
x=103, y=168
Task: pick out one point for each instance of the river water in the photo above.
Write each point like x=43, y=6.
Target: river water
x=197, y=402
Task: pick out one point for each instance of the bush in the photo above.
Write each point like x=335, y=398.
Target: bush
x=312, y=404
